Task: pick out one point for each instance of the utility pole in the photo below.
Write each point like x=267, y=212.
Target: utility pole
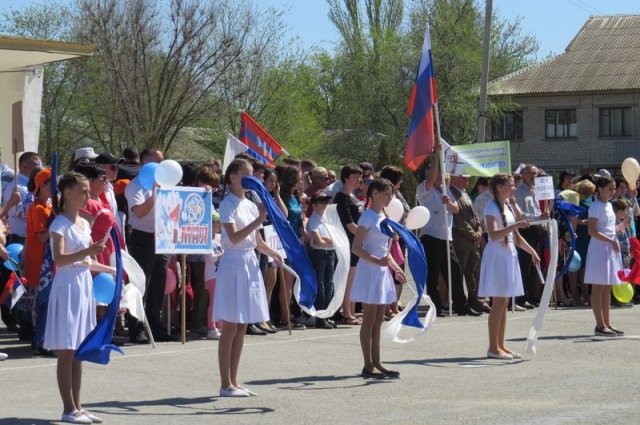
x=484, y=78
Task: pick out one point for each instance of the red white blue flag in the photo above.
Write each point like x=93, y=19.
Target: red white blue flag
x=423, y=97
x=261, y=145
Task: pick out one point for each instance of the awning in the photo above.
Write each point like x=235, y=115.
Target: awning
x=20, y=53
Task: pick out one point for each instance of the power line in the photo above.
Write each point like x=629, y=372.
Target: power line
x=599, y=12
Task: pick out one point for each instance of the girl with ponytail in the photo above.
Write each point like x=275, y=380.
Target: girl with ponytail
x=373, y=284
x=500, y=276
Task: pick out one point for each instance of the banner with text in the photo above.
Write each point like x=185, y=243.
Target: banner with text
x=183, y=220
x=480, y=159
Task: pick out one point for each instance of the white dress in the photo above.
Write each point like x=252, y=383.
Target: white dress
x=603, y=262
x=71, y=315
x=500, y=270
x=373, y=284
x=240, y=293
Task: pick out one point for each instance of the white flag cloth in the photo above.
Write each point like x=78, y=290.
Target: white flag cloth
x=538, y=320
x=234, y=147
x=341, y=245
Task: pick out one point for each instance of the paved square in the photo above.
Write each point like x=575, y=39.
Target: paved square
x=312, y=378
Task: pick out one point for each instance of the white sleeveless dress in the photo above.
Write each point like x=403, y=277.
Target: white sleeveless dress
x=603, y=263
x=71, y=315
x=500, y=269
x=373, y=284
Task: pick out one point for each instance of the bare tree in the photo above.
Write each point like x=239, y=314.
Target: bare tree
x=155, y=74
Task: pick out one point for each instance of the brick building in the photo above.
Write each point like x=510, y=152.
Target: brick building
x=581, y=109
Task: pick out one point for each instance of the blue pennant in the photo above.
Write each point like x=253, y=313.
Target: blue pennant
x=296, y=253
x=97, y=345
x=566, y=210
x=417, y=265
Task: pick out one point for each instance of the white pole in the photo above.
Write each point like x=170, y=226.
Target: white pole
x=446, y=213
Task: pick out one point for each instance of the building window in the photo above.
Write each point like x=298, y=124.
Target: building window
x=560, y=123
x=508, y=127
x=616, y=122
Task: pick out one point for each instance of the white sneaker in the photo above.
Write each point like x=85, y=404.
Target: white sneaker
x=213, y=334
x=235, y=392
x=73, y=419
x=95, y=419
x=3, y=356
x=248, y=391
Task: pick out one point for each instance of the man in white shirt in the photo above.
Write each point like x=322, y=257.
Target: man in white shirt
x=141, y=245
x=435, y=236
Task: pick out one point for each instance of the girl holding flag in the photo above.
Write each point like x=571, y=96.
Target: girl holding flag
x=373, y=284
x=71, y=314
x=500, y=276
x=240, y=296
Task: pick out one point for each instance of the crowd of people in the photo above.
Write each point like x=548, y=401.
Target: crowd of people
x=488, y=244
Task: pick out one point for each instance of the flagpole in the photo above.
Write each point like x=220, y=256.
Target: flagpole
x=446, y=212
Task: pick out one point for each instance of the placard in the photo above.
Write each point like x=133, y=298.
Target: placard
x=183, y=220
x=544, y=188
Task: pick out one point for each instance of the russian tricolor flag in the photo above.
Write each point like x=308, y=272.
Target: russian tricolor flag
x=13, y=290
x=423, y=97
x=261, y=144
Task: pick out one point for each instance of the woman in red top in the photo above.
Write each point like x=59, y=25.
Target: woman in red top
x=37, y=228
x=97, y=212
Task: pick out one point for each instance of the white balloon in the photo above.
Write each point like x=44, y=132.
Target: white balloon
x=168, y=173
x=418, y=217
x=631, y=171
x=394, y=210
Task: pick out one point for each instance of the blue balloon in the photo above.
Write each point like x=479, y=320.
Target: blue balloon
x=147, y=175
x=575, y=263
x=14, y=251
x=103, y=288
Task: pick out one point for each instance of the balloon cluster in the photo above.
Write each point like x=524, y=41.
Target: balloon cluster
x=418, y=217
x=166, y=173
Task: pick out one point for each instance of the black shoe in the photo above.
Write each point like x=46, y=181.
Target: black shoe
x=375, y=375
x=323, y=324
x=392, y=373
x=468, y=311
x=43, y=353
x=527, y=305
x=604, y=332
x=139, y=338
x=617, y=331
x=441, y=313
x=332, y=323
x=165, y=337
x=266, y=328
x=252, y=329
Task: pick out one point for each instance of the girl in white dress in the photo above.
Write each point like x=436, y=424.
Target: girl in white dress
x=373, y=284
x=240, y=296
x=500, y=276
x=603, y=256
x=71, y=315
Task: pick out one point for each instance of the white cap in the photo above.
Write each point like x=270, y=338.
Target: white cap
x=602, y=173
x=84, y=153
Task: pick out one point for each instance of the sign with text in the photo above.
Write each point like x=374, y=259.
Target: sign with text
x=479, y=159
x=544, y=188
x=183, y=220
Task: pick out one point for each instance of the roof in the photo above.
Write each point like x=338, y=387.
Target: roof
x=603, y=56
x=19, y=53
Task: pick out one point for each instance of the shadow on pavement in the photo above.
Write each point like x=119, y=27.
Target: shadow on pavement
x=23, y=421
x=467, y=362
x=311, y=382
x=197, y=405
x=556, y=337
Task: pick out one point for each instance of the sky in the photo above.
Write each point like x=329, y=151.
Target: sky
x=553, y=22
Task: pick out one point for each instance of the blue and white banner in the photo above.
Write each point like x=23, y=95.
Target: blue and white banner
x=183, y=220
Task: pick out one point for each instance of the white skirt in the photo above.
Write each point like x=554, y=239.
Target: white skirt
x=500, y=271
x=71, y=313
x=373, y=284
x=240, y=294
x=603, y=264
